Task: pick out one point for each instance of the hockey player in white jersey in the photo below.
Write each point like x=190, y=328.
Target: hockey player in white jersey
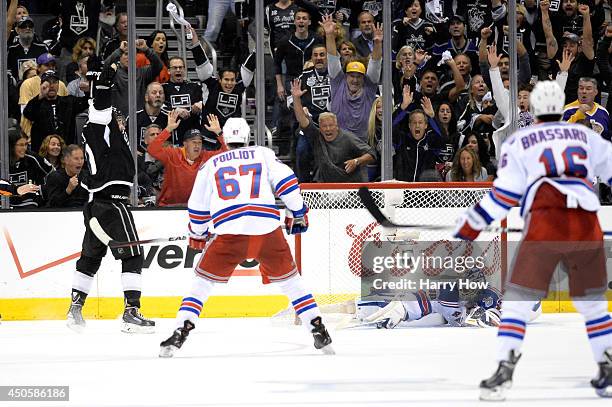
x=547, y=169
x=233, y=216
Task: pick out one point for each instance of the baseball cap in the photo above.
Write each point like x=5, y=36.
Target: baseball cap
x=570, y=37
x=25, y=20
x=356, y=66
x=191, y=133
x=49, y=75
x=455, y=18
x=45, y=59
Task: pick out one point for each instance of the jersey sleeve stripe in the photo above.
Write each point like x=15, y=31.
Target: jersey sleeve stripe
x=198, y=217
x=505, y=197
x=508, y=193
x=484, y=214
x=198, y=212
x=288, y=188
x=282, y=183
x=499, y=202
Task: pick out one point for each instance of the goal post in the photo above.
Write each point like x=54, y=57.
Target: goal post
x=329, y=254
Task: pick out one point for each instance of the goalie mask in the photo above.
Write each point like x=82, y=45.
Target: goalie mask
x=472, y=276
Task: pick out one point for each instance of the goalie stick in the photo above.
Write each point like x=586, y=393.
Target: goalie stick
x=368, y=201
x=96, y=228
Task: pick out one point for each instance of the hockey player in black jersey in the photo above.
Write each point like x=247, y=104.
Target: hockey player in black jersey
x=111, y=172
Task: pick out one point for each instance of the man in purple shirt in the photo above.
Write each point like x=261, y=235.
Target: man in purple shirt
x=353, y=92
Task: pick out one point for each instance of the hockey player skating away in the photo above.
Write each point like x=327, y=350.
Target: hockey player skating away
x=111, y=169
x=547, y=168
x=233, y=216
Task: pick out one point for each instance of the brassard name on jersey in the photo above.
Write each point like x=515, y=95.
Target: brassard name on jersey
x=539, y=136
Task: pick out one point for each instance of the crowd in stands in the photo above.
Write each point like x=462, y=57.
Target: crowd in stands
x=451, y=75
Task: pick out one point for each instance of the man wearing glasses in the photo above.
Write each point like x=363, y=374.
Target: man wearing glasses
x=183, y=96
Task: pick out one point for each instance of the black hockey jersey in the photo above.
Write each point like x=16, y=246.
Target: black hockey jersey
x=17, y=56
x=319, y=91
x=143, y=120
x=412, y=34
x=183, y=95
x=80, y=19
x=224, y=105
x=108, y=154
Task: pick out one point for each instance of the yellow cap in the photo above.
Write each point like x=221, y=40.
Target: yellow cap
x=356, y=66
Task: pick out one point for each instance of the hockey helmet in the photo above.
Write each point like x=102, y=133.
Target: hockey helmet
x=547, y=98
x=236, y=131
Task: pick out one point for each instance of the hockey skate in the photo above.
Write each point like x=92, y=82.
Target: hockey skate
x=132, y=321
x=174, y=343
x=322, y=340
x=603, y=382
x=75, y=319
x=494, y=388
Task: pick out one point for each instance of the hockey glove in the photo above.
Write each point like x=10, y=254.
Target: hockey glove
x=470, y=224
x=107, y=76
x=296, y=222
x=197, y=241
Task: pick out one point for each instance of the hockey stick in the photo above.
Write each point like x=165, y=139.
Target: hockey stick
x=96, y=228
x=368, y=201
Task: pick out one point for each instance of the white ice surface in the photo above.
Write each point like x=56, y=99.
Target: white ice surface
x=252, y=362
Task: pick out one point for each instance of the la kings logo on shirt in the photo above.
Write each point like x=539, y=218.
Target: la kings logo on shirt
x=80, y=22
x=374, y=7
x=417, y=42
x=226, y=103
x=320, y=90
x=183, y=101
x=19, y=178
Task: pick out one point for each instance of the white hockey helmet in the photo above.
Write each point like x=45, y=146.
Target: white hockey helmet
x=547, y=98
x=236, y=131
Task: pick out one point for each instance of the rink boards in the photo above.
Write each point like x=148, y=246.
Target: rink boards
x=38, y=253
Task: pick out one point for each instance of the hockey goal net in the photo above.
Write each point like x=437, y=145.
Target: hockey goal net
x=329, y=255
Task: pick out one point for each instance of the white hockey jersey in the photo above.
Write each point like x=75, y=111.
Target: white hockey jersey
x=566, y=156
x=234, y=193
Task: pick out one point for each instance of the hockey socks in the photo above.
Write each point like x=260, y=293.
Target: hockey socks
x=132, y=288
x=599, y=331
x=81, y=284
x=302, y=301
x=598, y=324
x=192, y=305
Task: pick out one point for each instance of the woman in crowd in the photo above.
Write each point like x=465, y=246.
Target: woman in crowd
x=85, y=46
x=51, y=151
x=24, y=169
x=158, y=42
x=478, y=144
x=347, y=52
x=476, y=117
x=466, y=167
x=404, y=72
